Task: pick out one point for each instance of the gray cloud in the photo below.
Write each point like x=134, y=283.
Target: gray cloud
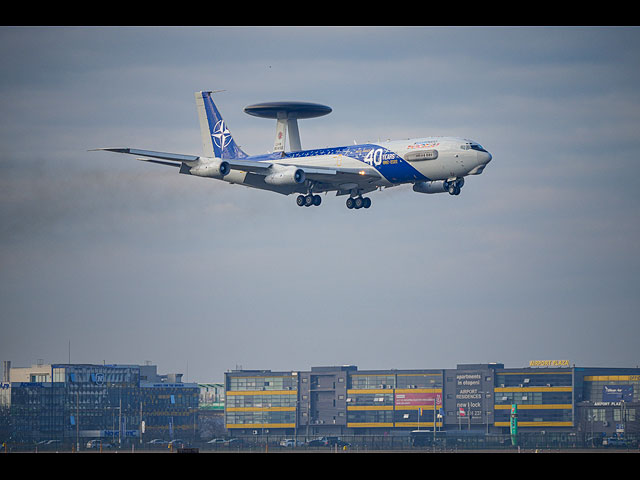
x=133, y=262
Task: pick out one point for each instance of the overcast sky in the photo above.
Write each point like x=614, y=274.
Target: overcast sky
x=129, y=262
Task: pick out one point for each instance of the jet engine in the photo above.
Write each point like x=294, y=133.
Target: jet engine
x=285, y=175
x=437, y=186
x=210, y=167
x=452, y=186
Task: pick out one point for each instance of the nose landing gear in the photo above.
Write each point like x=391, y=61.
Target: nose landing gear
x=454, y=186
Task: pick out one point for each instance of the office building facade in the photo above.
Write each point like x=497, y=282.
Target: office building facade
x=116, y=403
x=550, y=396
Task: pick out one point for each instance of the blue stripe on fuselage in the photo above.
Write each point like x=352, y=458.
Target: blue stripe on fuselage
x=390, y=165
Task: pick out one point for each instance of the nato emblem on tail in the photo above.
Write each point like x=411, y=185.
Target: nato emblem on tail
x=216, y=137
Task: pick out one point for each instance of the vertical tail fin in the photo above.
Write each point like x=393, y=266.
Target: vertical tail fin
x=216, y=138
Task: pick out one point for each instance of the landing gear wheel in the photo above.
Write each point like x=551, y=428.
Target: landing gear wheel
x=308, y=201
x=317, y=200
x=300, y=200
x=358, y=202
x=455, y=186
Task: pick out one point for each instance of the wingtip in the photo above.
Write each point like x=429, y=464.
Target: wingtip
x=109, y=149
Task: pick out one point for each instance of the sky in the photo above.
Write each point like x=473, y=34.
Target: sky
x=104, y=259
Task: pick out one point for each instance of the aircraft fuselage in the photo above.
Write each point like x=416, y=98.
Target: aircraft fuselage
x=397, y=161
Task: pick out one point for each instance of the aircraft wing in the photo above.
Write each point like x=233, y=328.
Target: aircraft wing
x=333, y=175
x=174, y=157
x=236, y=164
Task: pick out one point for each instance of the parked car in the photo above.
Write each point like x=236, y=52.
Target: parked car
x=615, y=442
x=318, y=442
x=157, y=442
x=98, y=444
x=227, y=442
x=217, y=441
x=290, y=442
x=337, y=442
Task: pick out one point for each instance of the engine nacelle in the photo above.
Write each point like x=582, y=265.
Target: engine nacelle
x=210, y=167
x=437, y=186
x=290, y=175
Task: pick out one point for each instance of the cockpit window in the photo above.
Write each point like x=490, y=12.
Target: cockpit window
x=473, y=146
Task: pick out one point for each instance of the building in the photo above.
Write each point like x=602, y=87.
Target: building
x=551, y=396
x=261, y=400
x=211, y=411
x=121, y=403
x=211, y=397
x=132, y=404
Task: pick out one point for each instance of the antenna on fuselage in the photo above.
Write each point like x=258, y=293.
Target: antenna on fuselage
x=286, y=115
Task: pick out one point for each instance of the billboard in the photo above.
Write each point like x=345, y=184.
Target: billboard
x=469, y=390
x=617, y=393
x=417, y=399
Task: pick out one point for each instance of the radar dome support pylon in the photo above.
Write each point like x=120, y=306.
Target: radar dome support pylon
x=286, y=115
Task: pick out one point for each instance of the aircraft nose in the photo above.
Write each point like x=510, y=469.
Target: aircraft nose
x=485, y=157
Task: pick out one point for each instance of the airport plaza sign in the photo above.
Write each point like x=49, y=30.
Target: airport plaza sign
x=549, y=363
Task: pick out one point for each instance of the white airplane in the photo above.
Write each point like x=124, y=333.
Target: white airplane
x=431, y=164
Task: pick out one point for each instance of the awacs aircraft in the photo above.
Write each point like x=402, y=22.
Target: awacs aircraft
x=431, y=164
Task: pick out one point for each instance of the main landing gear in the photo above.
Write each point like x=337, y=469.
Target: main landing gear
x=358, y=202
x=308, y=200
